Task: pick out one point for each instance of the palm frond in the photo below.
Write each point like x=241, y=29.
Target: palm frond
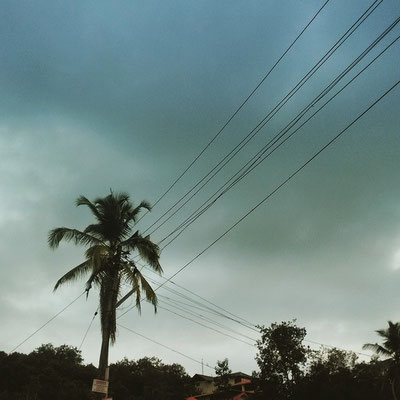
x=132, y=276
x=98, y=273
x=74, y=274
x=147, y=250
x=135, y=212
x=83, y=201
x=98, y=254
x=96, y=230
x=151, y=296
x=94, y=278
x=130, y=239
x=58, y=234
x=378, y=349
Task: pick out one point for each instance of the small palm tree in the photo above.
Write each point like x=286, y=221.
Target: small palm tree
x=109, y=263
x=389, y=349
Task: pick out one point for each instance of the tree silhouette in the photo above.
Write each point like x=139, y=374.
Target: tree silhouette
x=390, y=348
x=281, y=357
x=109, y=263
x=222, y=371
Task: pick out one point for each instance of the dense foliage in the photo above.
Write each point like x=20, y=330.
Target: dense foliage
x=57, y=373
x=288, y=370
x=291, y=371
x=222, y=371
x=47, y=373
x=148, y=379
x=281, y=356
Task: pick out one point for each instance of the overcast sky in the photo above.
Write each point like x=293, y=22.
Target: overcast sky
x=97, y=95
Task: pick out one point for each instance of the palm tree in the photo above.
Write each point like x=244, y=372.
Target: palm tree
x=109, y=263
x=389, y=349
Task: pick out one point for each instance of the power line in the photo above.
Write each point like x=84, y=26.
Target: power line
x=236, y=318
x=259, y=157
x=307, y=163
x=228, y=157
x=258, y=331
x=252, y=326
x=88, y=329
x=207, y=319
x=202, y=317
x=336, y=347
x=46, y=323
x=240, y=107
x=167, y=347
x=200, y=307
x=291, y=176
x=205, y=326
x=305, y=340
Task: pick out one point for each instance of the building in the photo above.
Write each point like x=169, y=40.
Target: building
x=240, y=387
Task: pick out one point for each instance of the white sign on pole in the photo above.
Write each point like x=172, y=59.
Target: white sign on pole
x=100, y=386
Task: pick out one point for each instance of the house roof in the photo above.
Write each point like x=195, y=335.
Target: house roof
x=243, y=382
x=234, y=394
x=240, y=375
x=199, y=377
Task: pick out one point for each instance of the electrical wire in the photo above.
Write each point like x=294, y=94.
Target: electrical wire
x=288, y=179
x=46, y=323
x=167, y=347
x=225, y=313
x=228, y=157
x=251, y=326
x=259, y=157
x=203, y=318
x=205, y=307
x=240, y=107
x=335, y=347
x=310, y=161
x=206, y=326
x=88, y=329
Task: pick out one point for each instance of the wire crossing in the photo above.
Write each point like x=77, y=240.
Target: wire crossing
x=273, y=192
x=260, y=156
x=250, y=136
x=239, y=108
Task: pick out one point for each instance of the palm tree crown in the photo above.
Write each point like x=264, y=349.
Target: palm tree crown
x=110, y=242
x=391, y=342
x=390, y=348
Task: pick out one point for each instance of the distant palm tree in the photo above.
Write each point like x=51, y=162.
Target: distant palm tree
x=391, y=350
x=111, y=242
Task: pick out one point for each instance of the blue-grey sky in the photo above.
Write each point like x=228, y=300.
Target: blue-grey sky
x=123, y=95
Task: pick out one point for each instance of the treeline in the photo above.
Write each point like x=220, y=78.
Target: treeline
x=290, y=370
x=58, y=373
x=287, y=370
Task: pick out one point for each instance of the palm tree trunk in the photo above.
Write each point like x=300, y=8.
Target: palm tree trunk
x=103, y=361
x=111, y=293
x=105, y=346
x=106, y=336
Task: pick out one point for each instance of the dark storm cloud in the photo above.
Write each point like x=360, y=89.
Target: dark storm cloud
x=98, y=95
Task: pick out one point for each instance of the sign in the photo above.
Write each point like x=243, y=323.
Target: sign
x=100, y=386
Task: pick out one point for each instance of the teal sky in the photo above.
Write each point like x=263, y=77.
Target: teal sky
x=97, y=95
